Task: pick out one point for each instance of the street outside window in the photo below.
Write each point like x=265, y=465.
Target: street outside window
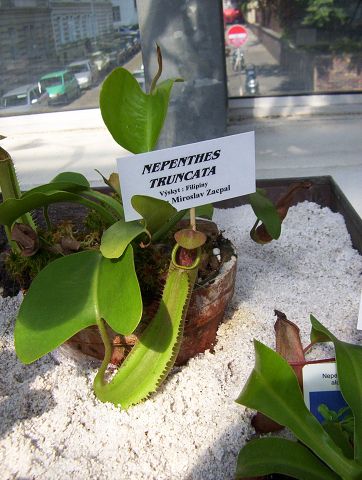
x=48, y=44
x=272, y=48
x=292, y=47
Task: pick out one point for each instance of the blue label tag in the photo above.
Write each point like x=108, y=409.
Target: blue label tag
x=321, y=387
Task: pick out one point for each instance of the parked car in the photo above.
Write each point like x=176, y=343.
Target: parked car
x=129, y=30
x=233, y=15
x=114, y=54
x=101, y=60
x=62, y=86
x=126, y=46
x=85, y=72
x=23, y=99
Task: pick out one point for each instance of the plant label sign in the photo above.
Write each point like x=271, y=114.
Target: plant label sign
x=190, y=175
x=321, y=387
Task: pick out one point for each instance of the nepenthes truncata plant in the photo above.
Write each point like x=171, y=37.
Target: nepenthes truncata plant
x=99, y=286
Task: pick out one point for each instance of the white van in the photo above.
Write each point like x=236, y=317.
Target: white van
x=85, y=73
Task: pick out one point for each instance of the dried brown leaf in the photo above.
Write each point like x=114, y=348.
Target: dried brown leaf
x=289, y=344
x=26, y=238
x=69, y=245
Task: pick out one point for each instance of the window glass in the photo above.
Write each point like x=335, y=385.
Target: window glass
x=116, y=14
x=272, y=47
x=33, y=96
x=15, y=100
x=286, y=47
x=79, y=67
x=51, y=81
x=39, y=38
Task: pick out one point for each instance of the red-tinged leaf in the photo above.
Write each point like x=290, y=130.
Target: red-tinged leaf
x=286, y=200
x=185, y=257
x=289, y=346
x=260, y=233
x=190, y=239
x=288, y=343
x=273, y=389
x=264, y=424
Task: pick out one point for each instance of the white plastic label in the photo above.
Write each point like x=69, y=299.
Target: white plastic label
x=321, y=386
x=190, y=175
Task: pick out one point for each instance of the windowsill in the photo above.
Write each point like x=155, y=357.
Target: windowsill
x=44, y=145
x=294, y=105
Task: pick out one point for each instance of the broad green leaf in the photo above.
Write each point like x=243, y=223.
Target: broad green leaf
x=56, y=187
x=154, y=354
x=118, y=236
x=349, y=369
x=107, y=200
x=119, y=294
x=76, y=182
x=66, y=181
x=72, y=293
x=277, y=455
x=273, y=389
x=266, y=212
x=71, y=177
x=134, y=118
x=165, y=229
x=156, y=212
x=204, y=211
x=12, y=209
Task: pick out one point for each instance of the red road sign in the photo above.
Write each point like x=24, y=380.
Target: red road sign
x=236, y=35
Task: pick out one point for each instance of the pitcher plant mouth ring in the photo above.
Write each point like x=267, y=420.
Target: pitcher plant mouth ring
x=191, y=267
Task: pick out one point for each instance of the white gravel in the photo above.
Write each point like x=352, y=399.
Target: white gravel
x=52, y=426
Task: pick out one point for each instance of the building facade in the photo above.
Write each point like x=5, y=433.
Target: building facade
x=80, y=27
x=26, y=41
x=124, y=13
x=38, y=36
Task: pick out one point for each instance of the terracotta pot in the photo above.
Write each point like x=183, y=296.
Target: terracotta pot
x=205, y=313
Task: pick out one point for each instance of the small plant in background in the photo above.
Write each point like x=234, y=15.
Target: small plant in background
x=339, y=424
x=329, y=451
x=87, y=281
